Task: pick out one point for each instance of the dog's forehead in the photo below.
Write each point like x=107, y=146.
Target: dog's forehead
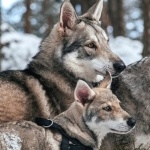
x=94, y=29
x=106, y=96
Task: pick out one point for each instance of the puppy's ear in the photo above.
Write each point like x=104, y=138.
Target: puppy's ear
x=83, y=93
x=68, y=16
x=106, y=82
x=94, y=13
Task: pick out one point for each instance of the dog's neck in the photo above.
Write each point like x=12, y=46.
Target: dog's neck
x=59, y=84
x=72, y=122
x=53, y=75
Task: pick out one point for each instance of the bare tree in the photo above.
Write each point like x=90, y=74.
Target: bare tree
x=105, y=18
x=116, y=13
x=0, y=35
x=146, y=34
x=48, y=18
x=27, y=16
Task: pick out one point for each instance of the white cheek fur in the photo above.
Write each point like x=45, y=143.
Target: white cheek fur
x=87, y=69
x=80, y=67
x=106, y=126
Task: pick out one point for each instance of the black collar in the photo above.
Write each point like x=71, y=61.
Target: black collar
x=68, y=143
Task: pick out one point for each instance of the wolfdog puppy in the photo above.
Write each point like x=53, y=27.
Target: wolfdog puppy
x=94, y=113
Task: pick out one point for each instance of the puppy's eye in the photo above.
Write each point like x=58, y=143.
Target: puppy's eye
x=91, y=45
x=107, y=108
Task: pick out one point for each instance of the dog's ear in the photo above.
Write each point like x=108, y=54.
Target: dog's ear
x=68, y=16
x=94, y=13
x=106, y=82
x=83, y=93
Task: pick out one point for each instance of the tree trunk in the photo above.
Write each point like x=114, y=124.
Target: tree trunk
x=105, y=18
x=1, y=45
x=48, y=18
x=27, y=17
x=0, y=34
x=146, y=35
x=116, y=13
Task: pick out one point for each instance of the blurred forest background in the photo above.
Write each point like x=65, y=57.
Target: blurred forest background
x=127, y=19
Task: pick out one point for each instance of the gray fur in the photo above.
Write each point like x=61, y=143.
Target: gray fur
x=132, y=88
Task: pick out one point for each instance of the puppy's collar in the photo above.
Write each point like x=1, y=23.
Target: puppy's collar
x=67, y=143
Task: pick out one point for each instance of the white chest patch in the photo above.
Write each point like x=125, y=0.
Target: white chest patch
x=11, y=141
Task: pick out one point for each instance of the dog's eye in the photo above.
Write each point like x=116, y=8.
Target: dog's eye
x=91, y=45
x=107, y=108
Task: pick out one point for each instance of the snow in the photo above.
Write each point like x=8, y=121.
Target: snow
x=133, y=19
x=7, y=3
x=6, y=28
x=129, y=50
x=12, y=141
x=20, y=48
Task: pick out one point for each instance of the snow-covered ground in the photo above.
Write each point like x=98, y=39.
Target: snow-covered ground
x=20, y=48
x=129, y=50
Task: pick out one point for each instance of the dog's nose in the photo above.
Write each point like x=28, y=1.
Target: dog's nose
x=119, y=66
x=131, y=122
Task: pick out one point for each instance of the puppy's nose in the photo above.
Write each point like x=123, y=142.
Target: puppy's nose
x=131, y=122
x=119, y=66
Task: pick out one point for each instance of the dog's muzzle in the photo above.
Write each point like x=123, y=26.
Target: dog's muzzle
x=119, y=66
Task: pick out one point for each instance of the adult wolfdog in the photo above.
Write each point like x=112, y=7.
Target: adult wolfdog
x=76, y=48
